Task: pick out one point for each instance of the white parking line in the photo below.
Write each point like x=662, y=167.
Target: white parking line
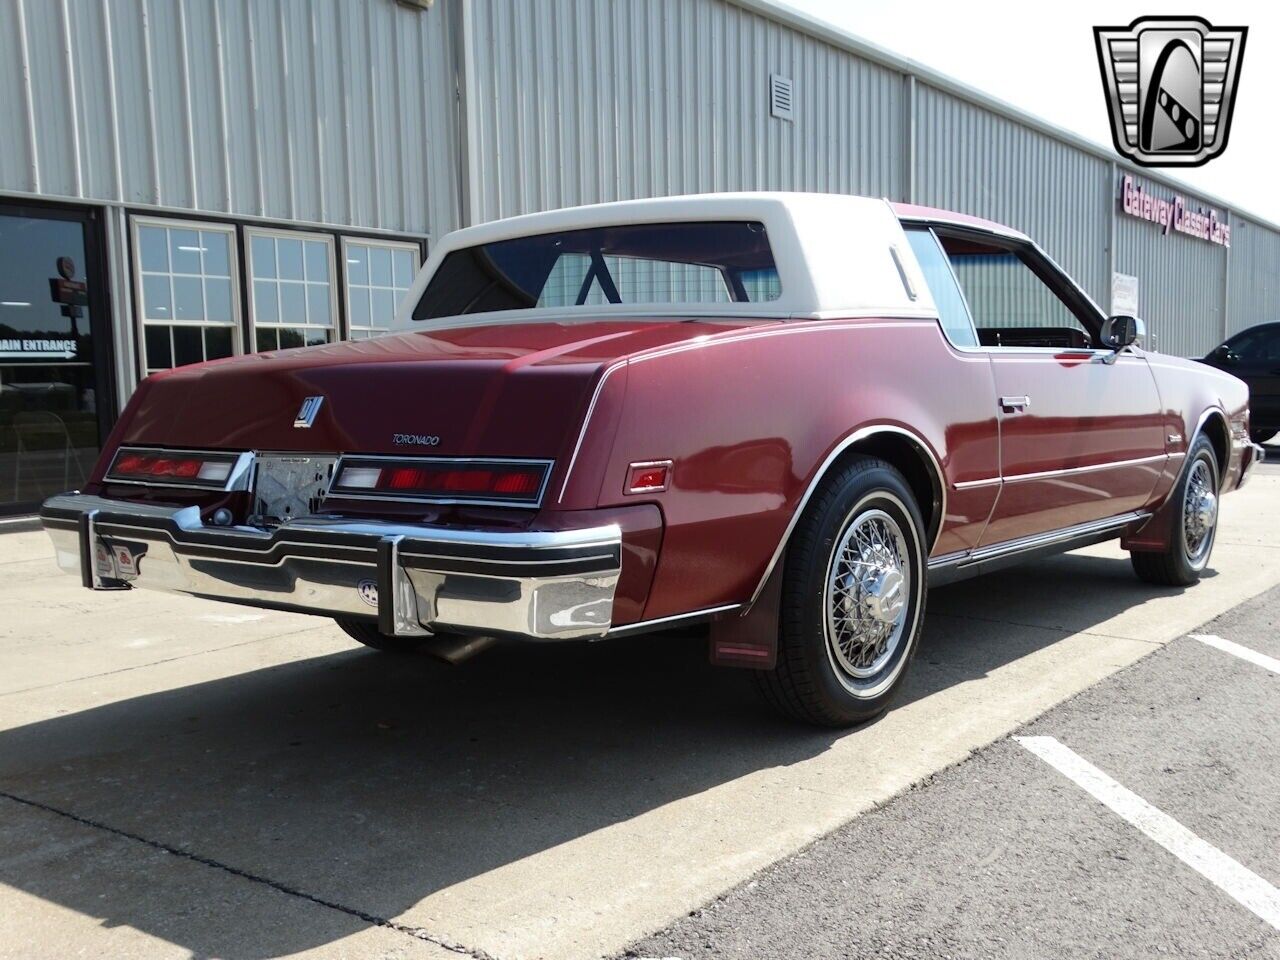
x=1235, y=880
x=1244, y=653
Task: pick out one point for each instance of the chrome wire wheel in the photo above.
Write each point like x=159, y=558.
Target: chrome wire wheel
x=1199, y=513
x=868, y=590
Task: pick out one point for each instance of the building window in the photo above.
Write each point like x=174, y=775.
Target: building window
x=187, y=291
x=291, y=302
x=379, y=274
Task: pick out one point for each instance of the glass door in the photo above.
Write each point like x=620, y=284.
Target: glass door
x=56, y=390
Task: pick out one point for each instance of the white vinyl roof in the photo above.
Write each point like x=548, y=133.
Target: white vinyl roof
x=836, y=256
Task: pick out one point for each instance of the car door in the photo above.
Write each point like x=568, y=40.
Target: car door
x=1081, y=434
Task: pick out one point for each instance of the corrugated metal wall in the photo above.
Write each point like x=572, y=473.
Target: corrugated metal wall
x=973, y=161
x=579, y=101
x=1181, y=279
x=1254, y=273
x=326, y=111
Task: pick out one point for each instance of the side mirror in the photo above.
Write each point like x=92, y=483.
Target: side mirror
x=1223, y=354
x=1120, y=332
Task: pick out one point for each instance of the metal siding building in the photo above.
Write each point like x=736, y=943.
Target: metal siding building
x=239, y=174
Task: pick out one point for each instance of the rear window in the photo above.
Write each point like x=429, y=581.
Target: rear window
x=661, y=263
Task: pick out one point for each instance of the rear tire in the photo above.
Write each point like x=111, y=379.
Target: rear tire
x=368, y=634
x=1195, y=527
x=853, y=599
x=1261, y=436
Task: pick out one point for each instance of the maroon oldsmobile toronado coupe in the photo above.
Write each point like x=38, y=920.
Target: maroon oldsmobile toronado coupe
x=779, y=415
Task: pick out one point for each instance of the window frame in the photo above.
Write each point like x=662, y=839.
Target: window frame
x=1059, y=282
x=414, y=248
x=284, y=233
x=1258, y=330
x=236, y=324
x=951, y=271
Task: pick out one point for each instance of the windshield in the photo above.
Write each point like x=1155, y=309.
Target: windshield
x=642, y=263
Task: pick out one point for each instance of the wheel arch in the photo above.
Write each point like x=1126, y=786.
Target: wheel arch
x=906, y=451
x=1213, y=424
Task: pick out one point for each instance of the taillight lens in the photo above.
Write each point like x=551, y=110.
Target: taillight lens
x=172, y=468
x=514, y=482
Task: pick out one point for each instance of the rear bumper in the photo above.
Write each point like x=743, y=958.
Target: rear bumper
x=415, y=580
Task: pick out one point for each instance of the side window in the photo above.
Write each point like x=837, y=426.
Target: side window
x=1258, y=345
x=952, y=312
x=1011, y=305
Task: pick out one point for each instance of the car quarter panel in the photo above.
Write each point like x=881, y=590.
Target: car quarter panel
x=1192, y=391
x=749, y=418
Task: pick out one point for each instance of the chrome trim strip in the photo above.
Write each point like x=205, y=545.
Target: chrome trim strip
x=1090, y=468
x=1034, y=541
x=1068, y=471
x=841, y=447
x=641, y=626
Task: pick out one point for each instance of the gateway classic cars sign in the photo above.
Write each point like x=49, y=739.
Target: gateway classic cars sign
x=1173, y=213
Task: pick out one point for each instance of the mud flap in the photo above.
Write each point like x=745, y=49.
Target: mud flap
x=751, y=640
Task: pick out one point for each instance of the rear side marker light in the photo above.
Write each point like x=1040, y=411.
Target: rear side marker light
x=510, y=482
x=165, y=468
x=651, y=476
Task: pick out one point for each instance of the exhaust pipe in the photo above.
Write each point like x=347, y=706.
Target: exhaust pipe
x=455, y=648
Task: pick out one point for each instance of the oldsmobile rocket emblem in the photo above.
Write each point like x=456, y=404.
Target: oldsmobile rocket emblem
x=307, y=415
x=1171, y=86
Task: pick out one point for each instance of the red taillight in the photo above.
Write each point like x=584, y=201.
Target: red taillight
x=652, y=476
x=211, y=470
x=481, y=481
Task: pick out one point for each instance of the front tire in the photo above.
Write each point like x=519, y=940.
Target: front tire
x=1261, y=436
x=367, y=633
x=853, y=598
x=1195, y=527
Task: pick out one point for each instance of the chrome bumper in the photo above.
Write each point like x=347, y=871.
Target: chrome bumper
x=415, y=580
x=1252, y=455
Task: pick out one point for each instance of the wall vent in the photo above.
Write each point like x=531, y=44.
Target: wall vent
x=780, y=96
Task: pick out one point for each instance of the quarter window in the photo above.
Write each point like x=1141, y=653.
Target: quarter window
x=953, y=313
x=291, y=302
x=379, y=274
x=187, y=292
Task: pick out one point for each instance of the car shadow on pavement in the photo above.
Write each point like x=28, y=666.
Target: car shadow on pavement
x=371, y=781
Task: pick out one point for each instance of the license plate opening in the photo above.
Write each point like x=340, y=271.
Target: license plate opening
x=289, y=485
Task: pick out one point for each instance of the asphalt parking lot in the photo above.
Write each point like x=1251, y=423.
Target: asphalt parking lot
x=183, y=778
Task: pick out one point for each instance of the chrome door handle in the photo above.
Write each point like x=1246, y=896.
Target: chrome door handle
x=1014, y=403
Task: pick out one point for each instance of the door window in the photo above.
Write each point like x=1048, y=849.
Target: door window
x=1011, y=305
x=49, y=391
x=1261, y=345
x=953, y=313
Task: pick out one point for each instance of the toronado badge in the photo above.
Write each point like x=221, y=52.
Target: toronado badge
x=1171, y=85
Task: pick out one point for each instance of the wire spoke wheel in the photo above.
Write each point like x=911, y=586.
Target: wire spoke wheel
x=1199, y=512
x=867, y=588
